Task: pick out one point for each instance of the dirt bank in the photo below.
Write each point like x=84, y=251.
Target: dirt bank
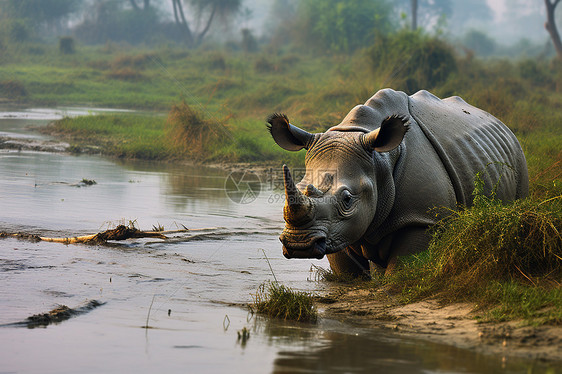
x=450, y=324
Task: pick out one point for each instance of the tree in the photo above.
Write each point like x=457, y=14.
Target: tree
x=211, y=9
x=342, y=25
x=550, y=26
x=479, y=42
x=106, y=20
x=145, y=5
x=39, y=13
x=412, y=60
x=277, y=26
x=414, y=14
x=425, y=12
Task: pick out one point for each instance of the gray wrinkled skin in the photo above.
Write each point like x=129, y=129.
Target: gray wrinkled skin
x=372, y=182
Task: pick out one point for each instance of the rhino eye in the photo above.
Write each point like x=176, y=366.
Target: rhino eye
x=346, y=199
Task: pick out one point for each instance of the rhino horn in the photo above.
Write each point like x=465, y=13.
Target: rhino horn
x=298, y=209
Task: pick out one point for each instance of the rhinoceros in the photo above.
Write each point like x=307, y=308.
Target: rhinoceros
x=372, y=182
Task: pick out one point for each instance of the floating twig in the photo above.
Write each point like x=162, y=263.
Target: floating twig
x=121, y=232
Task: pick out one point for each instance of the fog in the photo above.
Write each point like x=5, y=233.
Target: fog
x=504, y=23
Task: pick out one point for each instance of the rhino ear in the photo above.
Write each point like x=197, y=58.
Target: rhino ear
x=388, y=136
x=287, y=136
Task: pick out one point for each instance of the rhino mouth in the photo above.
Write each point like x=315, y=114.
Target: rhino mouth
x=314, y=247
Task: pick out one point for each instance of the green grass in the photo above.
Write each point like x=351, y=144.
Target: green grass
x=507, y=259
x=183, y=134
x=279, y=301
x=239, y=90
x=515, y=301
x=122, y=135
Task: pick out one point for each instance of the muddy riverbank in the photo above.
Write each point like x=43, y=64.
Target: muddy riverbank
x=452, y=324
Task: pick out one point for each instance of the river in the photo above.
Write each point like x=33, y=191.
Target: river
x=190, y=292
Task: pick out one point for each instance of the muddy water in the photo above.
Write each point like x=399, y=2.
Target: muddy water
x=190, y=291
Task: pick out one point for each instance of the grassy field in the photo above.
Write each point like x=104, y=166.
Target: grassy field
x=234, y=92
x=211, y=105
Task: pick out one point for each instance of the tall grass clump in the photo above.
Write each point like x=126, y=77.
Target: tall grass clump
x=191, y=134
x=492, y=254
x=279, y=301
x=517, y=242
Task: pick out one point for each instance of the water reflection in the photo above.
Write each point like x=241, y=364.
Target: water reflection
x=334, y=347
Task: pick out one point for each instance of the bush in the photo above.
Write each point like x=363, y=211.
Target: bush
x=263, y=65
x=66, y=45
x=488, y=244
x=217, y=61
x=479, y=42
x=341, y=26
x=249, y=42
x=191, y=134
x=411, y=61
x=14, y=30
x=521, y=241
x=12, y=89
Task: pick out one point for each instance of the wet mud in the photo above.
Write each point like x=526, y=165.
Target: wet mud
x=37, y=145
x=453, y=324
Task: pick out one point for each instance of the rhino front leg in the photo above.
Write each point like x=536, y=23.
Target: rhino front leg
x=407, y=241
x=348, y=262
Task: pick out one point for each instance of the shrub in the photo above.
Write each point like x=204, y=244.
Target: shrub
x=479, y=42
x=263, y=65
x=191, y=134
x=521, y=241
x=14, y=30
x=12, y=89
x=410, y=61
x=217, y=62
x=490, y=243
x=66, y=45
x=341, y=26
x=249, y=42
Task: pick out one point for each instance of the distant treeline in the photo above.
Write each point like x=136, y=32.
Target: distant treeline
x=325, y=26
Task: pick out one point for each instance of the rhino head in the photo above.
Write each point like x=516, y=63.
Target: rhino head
x=334, y=204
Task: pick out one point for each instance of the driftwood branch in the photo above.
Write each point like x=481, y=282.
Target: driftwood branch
x=121, y=232
x=550, y=26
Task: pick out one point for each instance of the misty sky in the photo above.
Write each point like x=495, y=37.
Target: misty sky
x=507, y=27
